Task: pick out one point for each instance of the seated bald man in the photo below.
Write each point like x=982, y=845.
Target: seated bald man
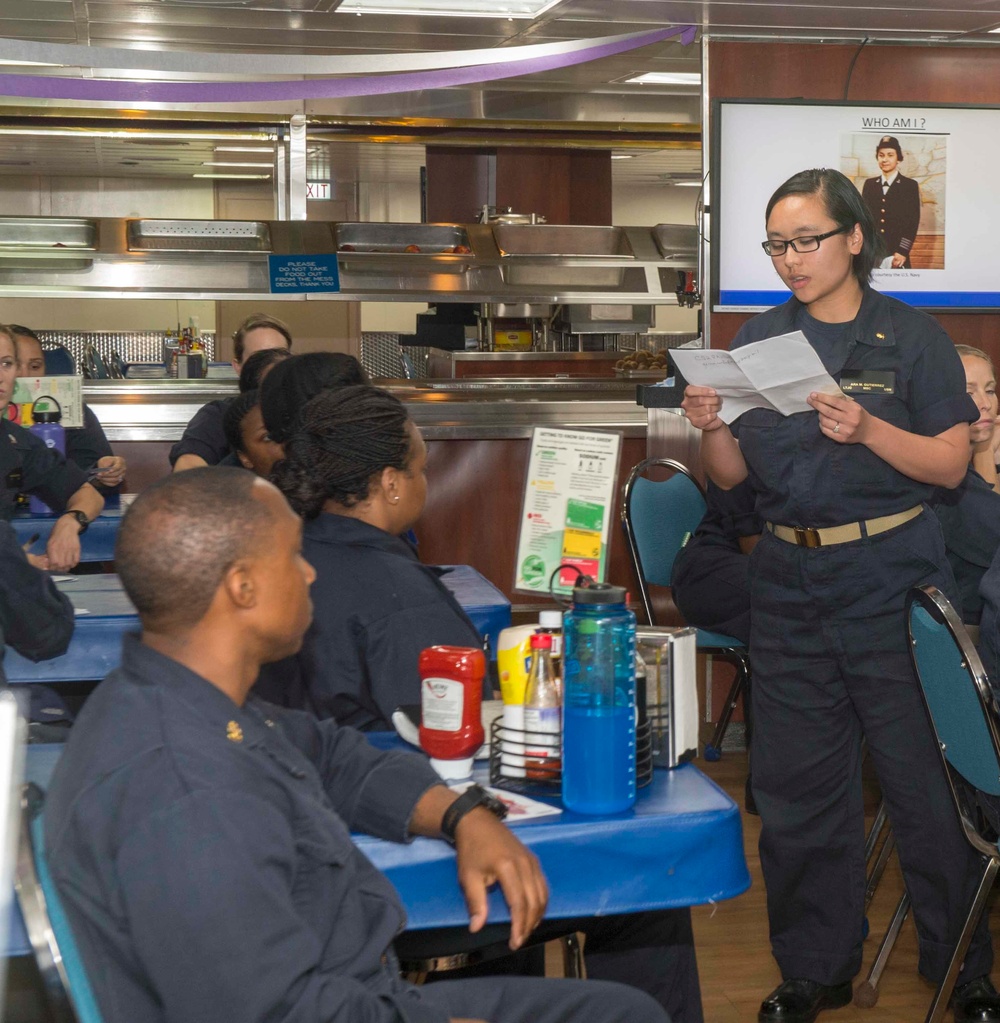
x=199, y=837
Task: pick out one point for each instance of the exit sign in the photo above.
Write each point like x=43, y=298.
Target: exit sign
x=318, y=190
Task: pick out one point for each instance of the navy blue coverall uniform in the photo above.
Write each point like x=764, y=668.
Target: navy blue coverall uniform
x=205, y=435
x=710, y=580
x=829, y=656
x=27, y=466
x=35, y=618
x=203, y=856
x=970, y=520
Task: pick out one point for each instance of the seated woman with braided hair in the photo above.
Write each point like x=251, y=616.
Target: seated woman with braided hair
x=354, y=470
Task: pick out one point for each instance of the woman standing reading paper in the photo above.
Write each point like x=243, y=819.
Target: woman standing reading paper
x=841, y=490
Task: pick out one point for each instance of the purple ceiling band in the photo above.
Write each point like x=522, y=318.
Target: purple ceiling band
x=184, y=93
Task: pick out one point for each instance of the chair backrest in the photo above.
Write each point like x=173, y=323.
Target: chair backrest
x=963, y=711
x=657, y=516
x=12, y=743
x=59, y=362
x=70, y=996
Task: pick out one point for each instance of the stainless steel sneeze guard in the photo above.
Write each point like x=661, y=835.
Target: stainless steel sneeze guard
x=477, y=263
x=501, y=408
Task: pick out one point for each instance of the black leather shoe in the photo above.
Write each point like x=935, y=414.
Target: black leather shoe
x=976, y=1002
x=801, y=1001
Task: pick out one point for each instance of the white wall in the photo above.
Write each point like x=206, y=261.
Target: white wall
x=66, y=196
x=658, y=204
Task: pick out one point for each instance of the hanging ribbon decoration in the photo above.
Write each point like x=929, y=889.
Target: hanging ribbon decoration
x=423, y=71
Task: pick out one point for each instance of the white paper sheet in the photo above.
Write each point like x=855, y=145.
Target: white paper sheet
x=778, y=373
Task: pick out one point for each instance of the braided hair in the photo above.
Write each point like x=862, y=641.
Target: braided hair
x=345, y=439
x=289, y=385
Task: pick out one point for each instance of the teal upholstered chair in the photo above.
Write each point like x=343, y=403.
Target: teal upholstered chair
x=657, y=516
x=67, y=988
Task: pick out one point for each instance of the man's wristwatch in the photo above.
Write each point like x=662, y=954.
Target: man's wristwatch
x=81, y=518
x=473, y=796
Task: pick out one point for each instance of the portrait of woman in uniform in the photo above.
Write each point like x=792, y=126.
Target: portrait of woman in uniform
x=907, y=208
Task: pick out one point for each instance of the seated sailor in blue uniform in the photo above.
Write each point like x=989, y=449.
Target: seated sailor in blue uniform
x=87, y=445
x=27, y=466
x=970, y=514
x=355, y=471
x=204, y=439
x=199, y=838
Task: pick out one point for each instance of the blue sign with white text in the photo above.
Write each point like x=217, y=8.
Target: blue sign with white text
x=293, y=275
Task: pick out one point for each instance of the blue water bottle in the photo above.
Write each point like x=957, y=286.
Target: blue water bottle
x=46, y=426
x=599, y=701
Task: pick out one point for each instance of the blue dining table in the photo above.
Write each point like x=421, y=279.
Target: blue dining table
x=96, y=544
x=681, y=845
x=105, y=614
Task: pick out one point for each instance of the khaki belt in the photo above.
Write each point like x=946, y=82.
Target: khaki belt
x=845, y=533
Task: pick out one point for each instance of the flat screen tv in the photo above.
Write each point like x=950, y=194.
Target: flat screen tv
x=950, y=154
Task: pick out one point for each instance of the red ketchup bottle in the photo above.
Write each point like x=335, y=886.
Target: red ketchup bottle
x=451, y=695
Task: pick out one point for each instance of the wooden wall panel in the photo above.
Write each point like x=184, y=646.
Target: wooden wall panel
x=474, y=490
x=457, y=183
x=891, y=74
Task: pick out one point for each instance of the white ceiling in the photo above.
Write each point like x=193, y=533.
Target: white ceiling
x=579, y=95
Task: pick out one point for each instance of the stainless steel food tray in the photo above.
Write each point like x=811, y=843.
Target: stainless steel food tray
x=198, y=236
x=570, y=255
x=677, y=241
x=55, y=243
x=370, y=248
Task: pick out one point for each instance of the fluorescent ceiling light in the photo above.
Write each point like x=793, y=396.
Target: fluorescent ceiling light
x=241, y=177
x=690, y=183
x=141, y=135
x=622, y=156
x=451, y=8
x=667, y=78
x=234, y=163
x=243, y=149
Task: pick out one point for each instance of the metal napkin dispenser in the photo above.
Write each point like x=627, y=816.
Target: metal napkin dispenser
x=670, y=688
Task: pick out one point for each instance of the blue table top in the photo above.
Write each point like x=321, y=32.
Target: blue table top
x=96, y=645
x=681, y=845
x=97, y=544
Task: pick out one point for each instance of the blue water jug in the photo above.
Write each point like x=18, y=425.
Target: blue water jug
x=599, y=701
x=46, y=426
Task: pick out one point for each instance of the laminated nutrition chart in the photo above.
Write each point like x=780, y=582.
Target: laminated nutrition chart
x=569, y=502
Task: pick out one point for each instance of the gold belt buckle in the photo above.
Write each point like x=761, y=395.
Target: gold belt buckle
x=807, y=537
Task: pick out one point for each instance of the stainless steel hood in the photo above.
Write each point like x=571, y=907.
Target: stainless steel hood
x=218, y=259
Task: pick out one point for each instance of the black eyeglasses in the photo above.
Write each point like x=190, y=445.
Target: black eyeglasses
x=807, y=243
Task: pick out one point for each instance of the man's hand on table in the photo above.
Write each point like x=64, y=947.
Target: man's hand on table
x=63, y=548
x=488, y=853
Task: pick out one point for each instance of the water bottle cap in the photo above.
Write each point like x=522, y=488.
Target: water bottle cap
x=541, y=641
x=46, y=415
x=550, y=620
x=599, y=593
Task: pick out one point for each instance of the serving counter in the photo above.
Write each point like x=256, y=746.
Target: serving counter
x=478, y=434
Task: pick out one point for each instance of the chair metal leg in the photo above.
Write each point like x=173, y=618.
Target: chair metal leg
x=939, y=1006
x=878, y=869
x=866, y=993
x=713, y=749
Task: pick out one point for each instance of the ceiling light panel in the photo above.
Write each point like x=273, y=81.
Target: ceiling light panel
x=451, y=8
x=667, y=78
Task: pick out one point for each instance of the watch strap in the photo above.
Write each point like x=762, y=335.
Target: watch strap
x=81, y=518
x=473, y=796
